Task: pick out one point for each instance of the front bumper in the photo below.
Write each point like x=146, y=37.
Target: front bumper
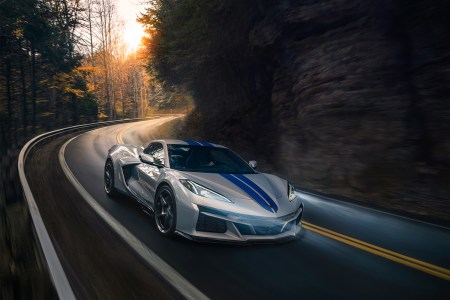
x=222, y=226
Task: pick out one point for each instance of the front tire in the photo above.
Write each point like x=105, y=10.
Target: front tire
x=109, y=179
x=165, y=214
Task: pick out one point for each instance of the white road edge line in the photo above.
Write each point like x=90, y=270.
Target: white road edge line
x=57, y=275
x=59, y=278
x=183, y=286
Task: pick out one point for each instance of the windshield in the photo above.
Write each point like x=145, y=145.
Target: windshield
x=206, y=159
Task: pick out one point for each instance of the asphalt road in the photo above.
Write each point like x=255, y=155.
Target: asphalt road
x=345, y=251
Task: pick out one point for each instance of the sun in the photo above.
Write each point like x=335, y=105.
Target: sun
x=132, y=36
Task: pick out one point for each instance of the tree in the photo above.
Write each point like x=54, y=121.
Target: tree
x=38, y=41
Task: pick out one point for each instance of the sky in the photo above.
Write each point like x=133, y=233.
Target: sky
x=128, y=11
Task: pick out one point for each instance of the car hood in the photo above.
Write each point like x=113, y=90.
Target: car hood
x=258, y=193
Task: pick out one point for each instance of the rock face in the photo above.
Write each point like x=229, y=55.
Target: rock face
x=353, y=98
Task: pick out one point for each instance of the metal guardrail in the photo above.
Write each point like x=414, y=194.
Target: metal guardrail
x=58, y=277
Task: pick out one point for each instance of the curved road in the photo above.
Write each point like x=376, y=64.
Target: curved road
x=345, y=251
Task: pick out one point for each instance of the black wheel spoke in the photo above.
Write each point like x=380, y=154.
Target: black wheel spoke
x=163, y=200
x=108, y=177
x=164, y=212
x=166, y=223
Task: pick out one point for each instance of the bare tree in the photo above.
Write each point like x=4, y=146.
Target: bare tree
x=117, y=75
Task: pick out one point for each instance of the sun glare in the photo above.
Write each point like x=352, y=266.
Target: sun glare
x=132, y=36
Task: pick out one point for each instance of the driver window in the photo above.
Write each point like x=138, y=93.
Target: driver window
x=157, y=151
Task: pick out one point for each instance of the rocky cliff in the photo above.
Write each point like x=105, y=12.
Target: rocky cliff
x=344, y=97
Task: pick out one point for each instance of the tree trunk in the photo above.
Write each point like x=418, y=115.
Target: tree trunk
x=113, y=95
x=3, y=138
x=23, y=95
x=53, y=95
x=74, y=109
x=121, y=93
x=33, y=88
x=8, y=97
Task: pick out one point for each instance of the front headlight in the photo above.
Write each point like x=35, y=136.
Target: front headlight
x=202, y=191
x=291, y=192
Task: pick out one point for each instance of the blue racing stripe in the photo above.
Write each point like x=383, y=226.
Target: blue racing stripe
x=193, y=143
x=207, y=144
x=258, y=190
x=248, y=190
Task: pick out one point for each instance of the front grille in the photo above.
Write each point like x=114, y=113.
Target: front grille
x=210, y=224
x=263, y=229
x=268, y=227
x=250, y=225
x=268, y=230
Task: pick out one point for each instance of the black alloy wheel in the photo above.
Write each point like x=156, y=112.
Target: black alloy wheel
x=109, y=179
x=165, y=215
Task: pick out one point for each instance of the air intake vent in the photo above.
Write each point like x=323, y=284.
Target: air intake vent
x=210, y=224
x=244, y=229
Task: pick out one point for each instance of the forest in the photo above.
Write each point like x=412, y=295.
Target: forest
x=64, y=62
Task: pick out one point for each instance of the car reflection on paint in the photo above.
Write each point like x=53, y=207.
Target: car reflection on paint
x=203, y=191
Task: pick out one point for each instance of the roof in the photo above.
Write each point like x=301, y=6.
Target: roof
x=189, y=142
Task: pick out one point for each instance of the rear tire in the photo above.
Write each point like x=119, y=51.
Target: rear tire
x=109, y=179
x=165, y=212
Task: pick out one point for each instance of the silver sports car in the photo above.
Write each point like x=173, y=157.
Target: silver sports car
x=202, y=191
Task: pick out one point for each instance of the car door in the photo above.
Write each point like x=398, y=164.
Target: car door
x=149, y=173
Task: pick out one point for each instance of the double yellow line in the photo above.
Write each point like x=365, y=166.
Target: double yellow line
x=119, y=136
x=391, y=255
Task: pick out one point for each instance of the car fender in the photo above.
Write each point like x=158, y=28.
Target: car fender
x=130, y=160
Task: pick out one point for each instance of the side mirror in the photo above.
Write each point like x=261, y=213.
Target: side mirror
x=147, y=158
x=253, y=164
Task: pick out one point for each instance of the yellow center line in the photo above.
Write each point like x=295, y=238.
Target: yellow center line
x=388, y=254
x=119, y=136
